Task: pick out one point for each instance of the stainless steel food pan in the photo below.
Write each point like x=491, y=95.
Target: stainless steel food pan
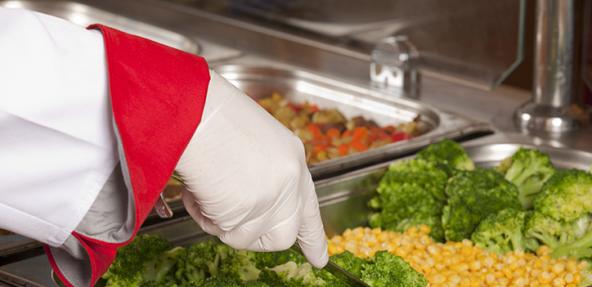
x=85, y=15
x=351, y=100
x=342, y=199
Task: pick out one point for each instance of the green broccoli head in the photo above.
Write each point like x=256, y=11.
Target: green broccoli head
x=547, y=230
x=134, y=260
x=200, y=263
x=501, y=232
x=528, y=169
x=291, y=274
x=270, y=259
x=423, y=174
x=349, y=262
x=240, y=265
x=566, y=196
x=472, y=196
x=448, y=154
x=566, y=239
x=390, y=270
x=228, y=282
x=410, y=193
x=580, y=245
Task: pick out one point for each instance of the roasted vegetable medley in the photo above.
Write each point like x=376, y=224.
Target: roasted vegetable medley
x=152, y=261
x=522, y=206
x=328, y=134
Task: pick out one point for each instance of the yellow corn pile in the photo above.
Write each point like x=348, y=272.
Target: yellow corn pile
x=461, y=263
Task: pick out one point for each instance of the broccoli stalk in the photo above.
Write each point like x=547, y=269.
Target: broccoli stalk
x=577, y=249
x=566, y=239
x=528, y=169
x=548, y=231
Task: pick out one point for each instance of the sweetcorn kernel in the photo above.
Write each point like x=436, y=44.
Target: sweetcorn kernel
x=461, y=263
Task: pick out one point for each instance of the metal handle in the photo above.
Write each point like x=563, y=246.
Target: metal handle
x=162, y=208
x=394, y=66
x=337, y=271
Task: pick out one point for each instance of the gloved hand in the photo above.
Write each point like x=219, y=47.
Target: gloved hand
x=248, y=180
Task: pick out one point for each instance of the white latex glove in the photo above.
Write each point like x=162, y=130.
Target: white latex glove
x=248, y=179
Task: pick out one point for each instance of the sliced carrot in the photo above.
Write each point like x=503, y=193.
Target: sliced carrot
x=359, y=146
x=333, y=133
x=315, y=130
x=360, y=133
x=343, y=149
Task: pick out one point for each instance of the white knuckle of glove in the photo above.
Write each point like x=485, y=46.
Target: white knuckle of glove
x=247, y=179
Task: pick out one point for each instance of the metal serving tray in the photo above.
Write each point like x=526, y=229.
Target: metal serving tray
x=85, y=15
x=342, y=200
x=351, y=100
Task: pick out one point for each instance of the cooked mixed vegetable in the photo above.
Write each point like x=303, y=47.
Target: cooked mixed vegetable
x=460, y=263
x=153, y=261
x=328, y=134
x=522, y=206
x=437, y=220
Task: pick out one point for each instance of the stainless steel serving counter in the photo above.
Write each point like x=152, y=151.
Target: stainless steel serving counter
x=265, y=46
x=343, y=201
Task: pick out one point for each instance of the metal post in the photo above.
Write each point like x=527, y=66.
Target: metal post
x=554, y=73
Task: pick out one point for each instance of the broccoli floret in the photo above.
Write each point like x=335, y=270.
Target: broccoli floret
x=349, y=262
x=410, y=193
x=566, y=239
x=270, y=259
x=136, y=261
x=528, y=169
x=571, y=239
x=472, y=196
x=547, y=230
x=239, y=265
x=200, y=263
x=390, y=270
x=501, y=232
x=562, y=214
x=580, y=245
x=449, y=155
x=229, y=282
x=291, y=274
x=566, y=196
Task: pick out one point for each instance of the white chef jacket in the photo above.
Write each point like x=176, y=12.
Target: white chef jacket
x=57, y=146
